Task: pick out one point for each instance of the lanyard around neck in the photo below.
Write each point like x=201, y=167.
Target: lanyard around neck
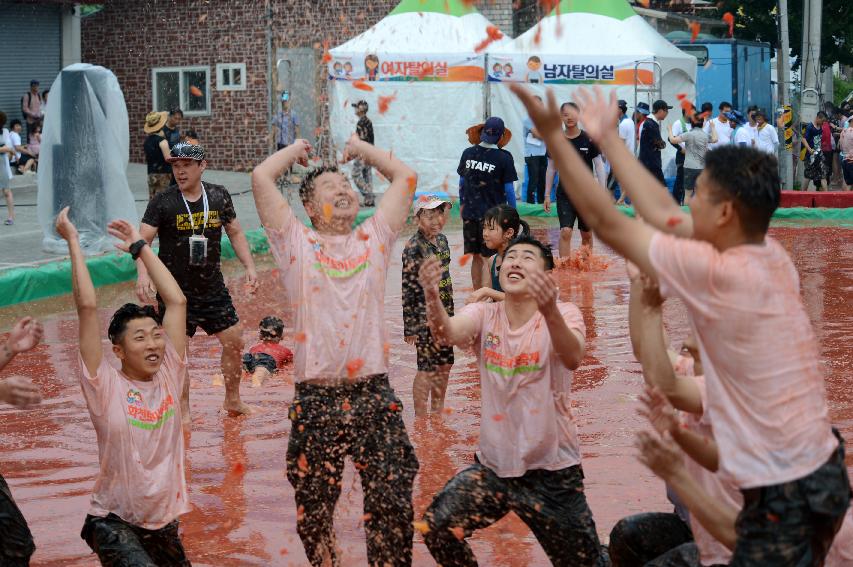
x=206, y=209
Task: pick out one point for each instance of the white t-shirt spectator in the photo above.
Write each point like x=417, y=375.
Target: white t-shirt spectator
x=724, y=133
x=767, y=140
x=743, y=137
x=626, y=132
x=680, y=127
x=16, y=141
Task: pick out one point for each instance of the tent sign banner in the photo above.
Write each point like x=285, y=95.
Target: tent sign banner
x=407, y=67
x=566, y=70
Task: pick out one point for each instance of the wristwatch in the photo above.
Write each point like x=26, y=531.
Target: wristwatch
x=136, y=248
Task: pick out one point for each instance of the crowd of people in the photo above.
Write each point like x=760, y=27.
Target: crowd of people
x=739, y=423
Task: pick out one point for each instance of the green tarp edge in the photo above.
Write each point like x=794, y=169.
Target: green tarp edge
x=23, y=285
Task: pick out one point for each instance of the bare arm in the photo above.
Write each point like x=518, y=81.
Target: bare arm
x=568, y=343
x=627, y=236
x=550, y=172
x=713, y=134
x=89, y=327
x=672, y=138
x=666, y=461
x=446, y=330
x=397, y=200
x=24, y=336
x=272, y=207
x=598, y=167
x=241, y=248
x=164, y=148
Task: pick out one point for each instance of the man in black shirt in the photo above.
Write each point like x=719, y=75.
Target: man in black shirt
x=360, y=169
x=156, y=149
x=651, y=142
x=486, y=176
x=189, y=218
x=171, y=131
x=565, y=209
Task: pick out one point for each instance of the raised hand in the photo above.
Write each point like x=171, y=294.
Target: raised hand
x=658, y=410
x=351, y=150
x=125, y=232
x=599, y=113
x=302, y=148
x=64, y=227
x=660, y=454
x=430, y=275
x=25, y=335
x=542, y=288
x=19, y=391
x=546, y=118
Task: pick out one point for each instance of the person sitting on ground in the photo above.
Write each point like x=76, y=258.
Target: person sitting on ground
x=141, y=487
x=269, y=355
x=16, y=540
x=24, y=160
x=501, y=225
x=766, y=393
x=528, y=462
x=434, y=360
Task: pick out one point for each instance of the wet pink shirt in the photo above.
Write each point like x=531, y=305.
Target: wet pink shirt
x=140, y=443
x=526, y=418
x=766, y=395
x=337, y=286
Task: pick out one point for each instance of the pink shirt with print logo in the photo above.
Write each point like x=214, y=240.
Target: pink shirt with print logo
x=337, y=286
x=140, y=443
x=526, y=418
x=766, y=395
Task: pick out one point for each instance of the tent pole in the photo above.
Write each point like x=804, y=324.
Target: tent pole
x=487, y=91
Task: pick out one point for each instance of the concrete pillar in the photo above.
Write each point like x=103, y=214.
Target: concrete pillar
x=71, y=50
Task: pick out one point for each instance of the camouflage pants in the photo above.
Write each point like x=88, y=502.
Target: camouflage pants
x=157, y=183
x=643, y=538
x=362, y=421
x=119, y=544
x=793, y=524
x=551, y=503
x=362, y=178
x=16, y=541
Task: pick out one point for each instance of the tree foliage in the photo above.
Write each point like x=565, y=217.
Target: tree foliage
x=756, y=20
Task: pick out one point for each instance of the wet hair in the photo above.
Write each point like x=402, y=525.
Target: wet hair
x=750, y=179
x=306, y=188
x=506, y=217
x=570, y=104
x=761, y=113
x=271, y=328
x=14, y=123
x=752, y=108
x=707, y=107
x=725, y=104
x=544, y=250
x=822, y=114
x=176, y=111
x=127, y=313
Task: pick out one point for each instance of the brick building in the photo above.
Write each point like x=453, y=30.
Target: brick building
x=238, y=56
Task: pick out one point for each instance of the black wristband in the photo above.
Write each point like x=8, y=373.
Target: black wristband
x=136, y=248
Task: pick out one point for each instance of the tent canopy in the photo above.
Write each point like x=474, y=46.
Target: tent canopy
x=418, y=70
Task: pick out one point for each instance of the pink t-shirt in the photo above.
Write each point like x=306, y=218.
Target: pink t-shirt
x=766, y=395
x=140, y=443
x=526, y=418
x=337, y=285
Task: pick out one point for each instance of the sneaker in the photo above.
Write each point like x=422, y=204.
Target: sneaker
x=9, y=222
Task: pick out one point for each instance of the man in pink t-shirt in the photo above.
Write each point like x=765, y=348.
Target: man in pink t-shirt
x=766, y=395
x=334, y=277
x=529, y=458
x=141, y=488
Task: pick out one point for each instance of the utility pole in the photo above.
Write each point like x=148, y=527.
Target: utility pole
x=784, y=76
x=810, y=68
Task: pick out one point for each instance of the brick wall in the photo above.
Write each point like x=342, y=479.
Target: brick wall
x=500, y=12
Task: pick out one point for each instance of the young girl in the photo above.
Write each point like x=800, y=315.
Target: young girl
x=501, y=225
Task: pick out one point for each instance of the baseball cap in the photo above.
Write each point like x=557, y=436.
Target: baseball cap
x=361, y=104
x=660, y=105
x=643, y=108
x=429, y=201
x=34, y=82
x=493, y=129
x=735, y=116
x=622, y=104
x=184, y=150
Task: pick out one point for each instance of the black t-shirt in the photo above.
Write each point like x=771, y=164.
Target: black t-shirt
x=167, y=212
x=588, y=152
x=154, y=155
x=485, y=172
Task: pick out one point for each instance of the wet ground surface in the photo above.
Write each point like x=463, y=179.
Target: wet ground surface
x=243, y=511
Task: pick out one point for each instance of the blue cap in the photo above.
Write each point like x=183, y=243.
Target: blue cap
x=736, y=116
x=34, y=82
x=493, y=129
x=643, y=108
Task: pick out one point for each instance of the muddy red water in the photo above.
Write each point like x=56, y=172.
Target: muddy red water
x=243, y=511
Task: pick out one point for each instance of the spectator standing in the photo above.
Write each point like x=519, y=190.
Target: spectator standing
x=845, y=147
x=627, y=133
x=6, y=151
x=695, y=142
x=641, y=114
x=360, y=168
x=156, y=148
x=651, y=142
x=681, y=126
x=722, y=126
x=31, y=106
x=285, y=124
x=535, y=161
x=767, y=139
x=172, y=131
x=815, y=166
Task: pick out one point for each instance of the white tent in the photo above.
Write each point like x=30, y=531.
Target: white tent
x=585, y=42
x=422, y=55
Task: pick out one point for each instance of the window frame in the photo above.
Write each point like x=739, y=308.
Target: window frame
x=220, y=84
x=182, y=102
